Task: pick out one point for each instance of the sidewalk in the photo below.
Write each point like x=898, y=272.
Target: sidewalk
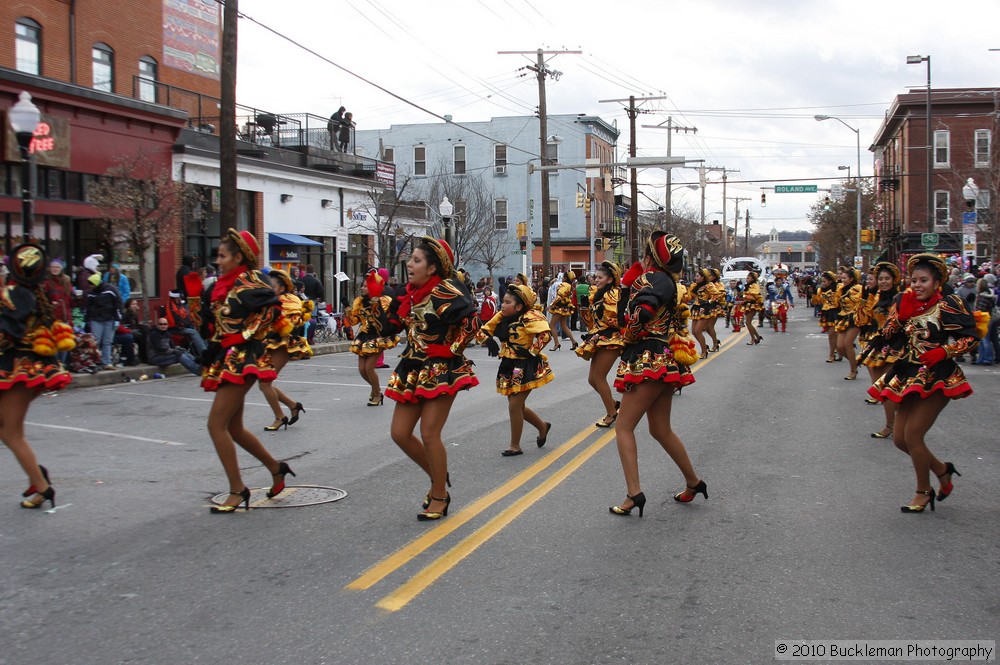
x=119, y=375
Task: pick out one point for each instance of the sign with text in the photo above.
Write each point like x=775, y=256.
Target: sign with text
x=49, y=142
x=795, y=189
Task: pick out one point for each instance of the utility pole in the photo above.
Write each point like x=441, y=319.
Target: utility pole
x=633, y=217
x=746, y=242
x=736, y=217
x=671, y=128
x=541, y=71
x=227, y=118
x=725, y=234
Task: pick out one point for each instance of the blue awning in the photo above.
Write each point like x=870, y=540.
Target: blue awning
x=292, y=239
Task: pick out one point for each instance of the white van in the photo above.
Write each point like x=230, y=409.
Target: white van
x=738, y=268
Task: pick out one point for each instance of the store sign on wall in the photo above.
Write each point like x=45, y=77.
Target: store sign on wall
x=49, y=144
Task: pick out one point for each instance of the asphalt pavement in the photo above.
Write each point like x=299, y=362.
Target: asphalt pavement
x=801, y=538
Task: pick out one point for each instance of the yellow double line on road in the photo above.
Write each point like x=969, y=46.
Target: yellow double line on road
x=441, y=565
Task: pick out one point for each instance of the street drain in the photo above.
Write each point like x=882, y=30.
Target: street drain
x=293, y=496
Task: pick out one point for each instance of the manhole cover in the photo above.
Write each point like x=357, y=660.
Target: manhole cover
x=293, y=496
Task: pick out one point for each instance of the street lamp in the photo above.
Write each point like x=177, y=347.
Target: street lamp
x=845, y=168
x=916, y=60
x=24, y=117
x=446, y=209
x=857, y=184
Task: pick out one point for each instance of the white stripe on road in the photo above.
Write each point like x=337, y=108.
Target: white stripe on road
x=114, y=434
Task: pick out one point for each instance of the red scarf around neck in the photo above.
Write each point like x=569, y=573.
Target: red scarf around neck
x=224, y=283
x=909, y=306
x=416, y=295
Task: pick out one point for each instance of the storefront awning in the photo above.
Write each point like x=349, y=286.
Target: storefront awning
x=292, y=239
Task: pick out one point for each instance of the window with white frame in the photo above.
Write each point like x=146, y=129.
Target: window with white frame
x=28, y=49
x=419, y=160
x=983, y=147
x=388, y=155
x=500, y=159
x=552, y=156
x=942, y=209
x=500, y=214
x=459, y=160
x=103, y=64
x=942, y=148
x=553, y=213
x=147, y=79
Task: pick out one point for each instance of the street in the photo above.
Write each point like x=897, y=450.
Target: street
x=801, y=538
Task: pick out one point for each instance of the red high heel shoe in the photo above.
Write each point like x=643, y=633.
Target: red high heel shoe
x=946, y=488
x=688, y=495
x=45, y=474
x=278, y=487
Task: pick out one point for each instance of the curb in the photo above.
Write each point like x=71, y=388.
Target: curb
x=119, y=375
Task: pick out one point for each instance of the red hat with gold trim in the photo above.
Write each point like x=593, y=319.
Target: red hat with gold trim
x=667, y=251
x=248, y=245
x=444, y=253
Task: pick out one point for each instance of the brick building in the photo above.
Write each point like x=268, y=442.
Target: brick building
x=964, y=130
x=110, y=81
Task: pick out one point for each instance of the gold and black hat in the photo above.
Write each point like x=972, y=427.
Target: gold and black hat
x=523, y=293
x=890, y=268
x=284, y=278
x=28, y=264
x=933, y=260
x=614, y=269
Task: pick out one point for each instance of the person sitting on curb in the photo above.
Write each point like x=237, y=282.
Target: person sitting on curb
x=162, y=352
x=179, y=318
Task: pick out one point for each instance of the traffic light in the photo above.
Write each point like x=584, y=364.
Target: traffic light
x=599, y=244
x=826, y=203
x=586, y=205
x=522, y=229
x=866, y=235
x=579, y=199
x=763, y=199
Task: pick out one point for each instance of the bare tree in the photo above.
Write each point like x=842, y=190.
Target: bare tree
x=836, y=229
x=386, y=208
x=475, y=214
x=141, y=208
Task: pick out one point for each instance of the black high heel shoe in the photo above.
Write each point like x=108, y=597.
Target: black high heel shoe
x=573, y=348
x=48, y=495
x=435, y=515
x=277, y=424
x=945, y=491
x=919, y=508
x=638, y=501
x=276, y=489
x=427, y=498
x=296, y=410
x=684, y=497
x=718, y=345
x=376, y=401
x=540, y=441
x=244, y=495
x=45, y=474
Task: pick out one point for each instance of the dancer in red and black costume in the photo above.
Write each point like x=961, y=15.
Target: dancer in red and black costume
x=925, y=377
x=371, y=310
x=439, y=314
x=238, y=313
x=655, y=362
x=878, y=357
x=30, y=337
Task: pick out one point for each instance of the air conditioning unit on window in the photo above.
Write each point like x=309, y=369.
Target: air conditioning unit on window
x=602, y=226
x=500, y=170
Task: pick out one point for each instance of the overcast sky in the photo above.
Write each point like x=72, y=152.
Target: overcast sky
x=749, y=75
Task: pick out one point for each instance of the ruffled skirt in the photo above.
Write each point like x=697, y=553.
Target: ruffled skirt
x=845, y=322
x=371, y=345
x=235, y=364
x=650, y=360
x=517, y=375
x=827, y=319
x=415, y=380
x=32, y=371
x=907, y=378
x=562, y=310
x=298, y=348
x=600, y=341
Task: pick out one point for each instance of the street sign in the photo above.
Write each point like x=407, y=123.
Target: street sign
x=929, y=240
x=859, y=262
x=520, y=252
x=837, y=191
x=795, y=189
x=867, y=247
